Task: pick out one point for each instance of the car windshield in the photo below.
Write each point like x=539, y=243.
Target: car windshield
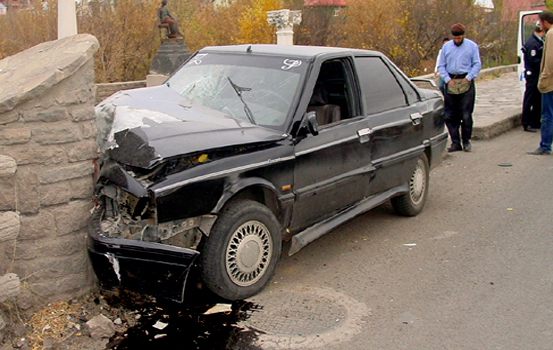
x=258, y=89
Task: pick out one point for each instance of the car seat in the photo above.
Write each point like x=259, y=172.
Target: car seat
x=326, y=113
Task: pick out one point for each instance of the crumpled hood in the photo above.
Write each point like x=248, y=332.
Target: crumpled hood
x=141, y=127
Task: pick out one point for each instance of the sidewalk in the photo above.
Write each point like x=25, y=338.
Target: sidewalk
x=498, y=104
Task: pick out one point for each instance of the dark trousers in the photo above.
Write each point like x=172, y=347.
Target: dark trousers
x=531, y=105
x=458, y=114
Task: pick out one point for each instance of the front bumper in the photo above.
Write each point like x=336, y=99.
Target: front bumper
x=149, y=268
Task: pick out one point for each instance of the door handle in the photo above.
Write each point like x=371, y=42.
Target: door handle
x=416, y=118
x=364, y=135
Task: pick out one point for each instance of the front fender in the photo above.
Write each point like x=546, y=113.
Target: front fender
x=236, y=185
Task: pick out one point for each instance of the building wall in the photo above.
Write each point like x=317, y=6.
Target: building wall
x=47, y=159
x=511, y=8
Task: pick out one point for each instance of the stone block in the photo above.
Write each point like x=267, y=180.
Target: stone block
x=62, y=288
x=47, y=267
x=11, y=136
x=32, y=153
x=50, y=246
x=82, y=112
x=82, y=188
x=3, y=323
x=78, y=88
x=90, y=129
x=6, y=256
x=10, y=226
x=9, y=117
x=27, y=193
x=7, y=194
x=67, y=172
x=84, y=150
x=55, y=193
x=38, y=226
x=73, y=216
x=25, y=299
x=42, y=114
x=9, y=286
x=56, y=134
x=7, y=166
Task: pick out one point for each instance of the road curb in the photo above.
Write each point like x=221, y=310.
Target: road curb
x=490, y=131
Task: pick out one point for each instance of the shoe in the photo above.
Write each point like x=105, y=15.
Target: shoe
x=455, y=147
x=539, y=152
x=467, y=146
x=530, y=129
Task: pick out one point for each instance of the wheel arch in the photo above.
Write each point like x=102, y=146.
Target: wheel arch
x=256, y=189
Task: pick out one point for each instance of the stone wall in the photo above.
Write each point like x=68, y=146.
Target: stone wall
x=107, y=89
x=47, y=159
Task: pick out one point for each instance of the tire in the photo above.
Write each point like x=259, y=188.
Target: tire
x=241, y=253
x=412, y=202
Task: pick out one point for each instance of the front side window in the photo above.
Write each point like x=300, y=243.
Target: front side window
x=381, y=91
x=258, y=89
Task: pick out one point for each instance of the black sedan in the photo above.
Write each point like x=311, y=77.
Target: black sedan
x=246, y=146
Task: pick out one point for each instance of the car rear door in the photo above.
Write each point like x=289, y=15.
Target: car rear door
x=396, y=121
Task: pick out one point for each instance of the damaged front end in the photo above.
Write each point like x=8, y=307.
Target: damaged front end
x=162, y=176
x=129, y=248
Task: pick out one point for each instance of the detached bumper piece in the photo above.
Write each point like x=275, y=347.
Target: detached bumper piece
x=150, y=268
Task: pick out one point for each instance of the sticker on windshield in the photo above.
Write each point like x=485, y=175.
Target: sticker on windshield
x=198, y=58
x=289, y=64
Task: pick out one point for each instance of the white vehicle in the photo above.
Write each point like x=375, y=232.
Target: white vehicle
x=526, y=23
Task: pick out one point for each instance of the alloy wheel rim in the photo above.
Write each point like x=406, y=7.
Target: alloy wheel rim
x=418, y=183
x=248, y=253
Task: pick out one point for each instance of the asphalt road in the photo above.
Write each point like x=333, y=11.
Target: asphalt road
x=473, y=271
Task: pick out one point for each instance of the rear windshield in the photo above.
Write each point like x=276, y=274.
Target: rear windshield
x=258, y=89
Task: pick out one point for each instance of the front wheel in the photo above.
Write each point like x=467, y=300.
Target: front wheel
x=241, y=253
x=412, y=202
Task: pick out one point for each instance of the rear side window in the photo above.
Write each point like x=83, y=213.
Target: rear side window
x=380, y=88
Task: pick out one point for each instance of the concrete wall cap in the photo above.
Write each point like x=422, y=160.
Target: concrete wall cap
x=30, y=73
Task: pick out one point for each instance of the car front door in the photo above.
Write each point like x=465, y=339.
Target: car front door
x=333, y=168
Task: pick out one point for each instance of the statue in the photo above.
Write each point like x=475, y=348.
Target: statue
x=166, y=20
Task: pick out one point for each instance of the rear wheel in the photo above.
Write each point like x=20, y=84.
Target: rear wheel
x=241, y=253
x=412, y=202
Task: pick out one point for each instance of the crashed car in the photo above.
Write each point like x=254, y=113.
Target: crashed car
x=245, y=147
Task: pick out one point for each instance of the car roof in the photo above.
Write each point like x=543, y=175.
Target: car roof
x=288, y=50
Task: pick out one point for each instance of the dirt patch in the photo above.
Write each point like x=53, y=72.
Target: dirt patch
x=137, y=320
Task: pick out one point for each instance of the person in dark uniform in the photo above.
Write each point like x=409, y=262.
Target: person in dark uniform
x=459, y=64
x=531, y=104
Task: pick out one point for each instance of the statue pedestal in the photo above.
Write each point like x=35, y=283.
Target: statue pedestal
x=170, y=55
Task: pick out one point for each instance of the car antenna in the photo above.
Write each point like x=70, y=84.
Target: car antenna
x=249, y=49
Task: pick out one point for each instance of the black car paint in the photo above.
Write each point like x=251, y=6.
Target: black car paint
x=311, y=183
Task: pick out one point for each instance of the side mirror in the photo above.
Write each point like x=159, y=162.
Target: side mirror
x=312, y=124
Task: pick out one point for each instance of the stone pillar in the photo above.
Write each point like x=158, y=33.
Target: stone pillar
x=48, y=151
x=284, y=21
x=67, y=18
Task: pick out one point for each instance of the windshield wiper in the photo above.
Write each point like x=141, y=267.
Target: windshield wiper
x=239, y=90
